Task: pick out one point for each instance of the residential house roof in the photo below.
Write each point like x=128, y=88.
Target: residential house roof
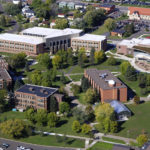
x=140, y=10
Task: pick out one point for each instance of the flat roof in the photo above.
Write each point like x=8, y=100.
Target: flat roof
x=37, y=90
x=103, y=77
x=21, y=38
x=135, y=42
x=91, y=37
x=49, y=33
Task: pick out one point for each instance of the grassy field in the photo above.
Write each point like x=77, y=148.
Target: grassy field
x=76, y=77
x=113, y=140
x=102, y=146
x=132, y=84
x=101, y=30
x=54, y=141
x=138, y=122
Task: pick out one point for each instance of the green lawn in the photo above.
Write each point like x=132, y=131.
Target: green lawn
x=76, y=77
x=6, y=54
x=132, y=84
x=138, y=122
x=54, y=141
x=102, y=146
x=12, y=115
x=113, y=140
x=81, y=100
x=101, y=30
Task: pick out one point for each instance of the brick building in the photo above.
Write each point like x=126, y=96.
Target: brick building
x=4, y=78
x=89, y=41
x=138, y=13
x=35, y=96
x=13, y=43
x=127, y=47
x=107, y=7
x=107, y=85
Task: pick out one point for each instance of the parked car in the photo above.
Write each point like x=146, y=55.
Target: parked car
x=5, y=145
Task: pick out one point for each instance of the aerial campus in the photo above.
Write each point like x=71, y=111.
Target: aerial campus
x=74, y=75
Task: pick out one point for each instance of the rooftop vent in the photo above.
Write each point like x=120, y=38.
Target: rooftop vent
x=31, y=89
x=111, y=83
x=103, y=75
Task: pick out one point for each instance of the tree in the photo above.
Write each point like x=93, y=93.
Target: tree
x=131, y=74
x=142, y=80
x=15, y=128
x=27, y=67
x=62, y=78
x=41, y=117
x=111, y=61
x=142, y=139
x=86, y=129
x=136, y=99
x=90, y=96
x=52, y=119
x=90, y=113
x=99, y=57
x=124, y=66
x=44, y=60
x=12, y=9
x=84, y=84
x=94, y=17
x=76, y=127
x=53, y=104
x=105, y=116
x=82, y=58
x=76, y=89
x=64, y=107
x=129, y=30
x=148, y=80
x=46, y=78
x=3, y=21
x=61, y=23
x=56, y=61
x=110, y=24
x=81, y=116
x=36, y=77
x=92, y=56
x=30, y=115
x=70, y=57
x=18, y=84
x=3, y=94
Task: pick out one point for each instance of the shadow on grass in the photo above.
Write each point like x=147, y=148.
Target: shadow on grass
x=61, y=122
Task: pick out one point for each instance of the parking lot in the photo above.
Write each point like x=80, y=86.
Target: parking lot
x=14, y=144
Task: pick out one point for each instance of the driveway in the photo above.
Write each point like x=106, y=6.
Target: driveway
x=14, y=144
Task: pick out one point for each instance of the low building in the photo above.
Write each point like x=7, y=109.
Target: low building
x=62, y=4
x=13, y=43
x=138, y=13
x=71, y=5
x=107, y=85
x=122, y=112
x=5, y=78
x=35, y=96
x=61, y=15
x=89, y=41
x=118, y=32
x=127, y=47
x=79, y=6
x=107, y=7
x=3, y=63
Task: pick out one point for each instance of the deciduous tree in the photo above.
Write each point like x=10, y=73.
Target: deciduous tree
x=142, y=139
x=52, y=119
x=76, y=127
x=86, y=128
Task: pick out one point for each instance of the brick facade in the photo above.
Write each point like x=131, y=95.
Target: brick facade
x=118, y=91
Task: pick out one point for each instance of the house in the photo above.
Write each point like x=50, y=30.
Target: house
x=138, y=13
x=79, y=6
x=89, y=41
x=61, y=15
x=118, y=32
x=5, y=78
x=107, y=7
x=71, y=5
x=122, y=112
x=107, y=85
x=70, y=18
x=62, y=4
x=26, y=11
x=35, y=96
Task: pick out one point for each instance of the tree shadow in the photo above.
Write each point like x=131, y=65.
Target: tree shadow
x=70, y=141
x=61, y=122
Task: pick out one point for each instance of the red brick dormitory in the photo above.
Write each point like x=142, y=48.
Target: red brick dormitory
x=107, y=85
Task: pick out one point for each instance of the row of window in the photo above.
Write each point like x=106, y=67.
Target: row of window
x=25, y=96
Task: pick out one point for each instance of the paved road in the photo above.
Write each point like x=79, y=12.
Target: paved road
x=14, y=144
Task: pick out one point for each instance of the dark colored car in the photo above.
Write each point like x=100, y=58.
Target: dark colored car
x=5, y=145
